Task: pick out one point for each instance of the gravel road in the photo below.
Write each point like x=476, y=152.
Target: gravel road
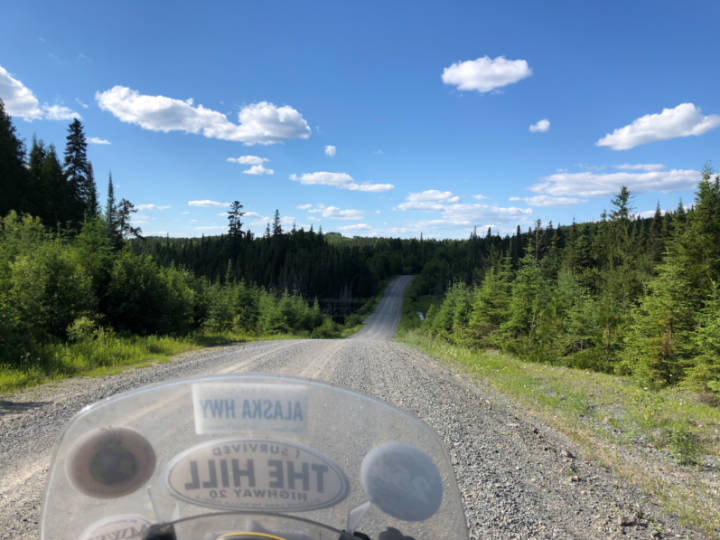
x=518, y=479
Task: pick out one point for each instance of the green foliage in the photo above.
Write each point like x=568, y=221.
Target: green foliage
x=595, y=295
x=705, y=372
x=82, y=329
x=144, y=298
x=657, y=345
x=13, y=174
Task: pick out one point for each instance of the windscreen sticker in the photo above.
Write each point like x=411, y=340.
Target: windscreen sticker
x=127, y=527
x=233, y=407
x=255, y=474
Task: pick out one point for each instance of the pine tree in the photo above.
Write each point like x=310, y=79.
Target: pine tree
x=124, y=215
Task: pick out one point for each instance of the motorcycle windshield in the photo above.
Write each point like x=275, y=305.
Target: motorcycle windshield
x=255, y=448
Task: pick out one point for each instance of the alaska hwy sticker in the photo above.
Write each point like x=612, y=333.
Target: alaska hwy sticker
x=226, y=408
x=256, y=474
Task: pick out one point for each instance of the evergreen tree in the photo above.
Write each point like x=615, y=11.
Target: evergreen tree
x=234, y=222
x=110, y=206
x=276, y=228
x=37, y=192
x=92, y=201
x=60, y=204
x=124, y=215
x=13, y=175
x=77, y=172
x=490, y=305
x=527, y=303
x=112, y=219
x=705, y=372
x=657, y=346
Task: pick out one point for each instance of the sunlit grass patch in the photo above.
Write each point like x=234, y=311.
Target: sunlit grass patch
x=103, y=354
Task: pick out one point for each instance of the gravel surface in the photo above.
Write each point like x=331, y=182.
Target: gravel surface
x=518, y=479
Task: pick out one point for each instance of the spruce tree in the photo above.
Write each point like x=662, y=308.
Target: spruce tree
x=37, y=192
x=234, y=222
x=13, y=175
x=92, y=202
x=276, y=228
x=60, y=204
x=77, y=172
x=111, y=214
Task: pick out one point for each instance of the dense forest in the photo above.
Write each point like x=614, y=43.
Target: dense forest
x=627, y=295
x=624, y=294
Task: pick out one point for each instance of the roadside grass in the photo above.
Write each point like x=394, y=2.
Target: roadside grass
x=107, y=353
x=634, y=430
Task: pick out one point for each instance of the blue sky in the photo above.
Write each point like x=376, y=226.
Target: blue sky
x=372, y=118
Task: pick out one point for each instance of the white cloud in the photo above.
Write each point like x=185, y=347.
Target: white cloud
x=152, y=206
x=79, y=102
x=356, y=227
x=256, y=162
x=247, y=160
x=541, y=126
x=98, y=140
x=479, y=197
x=455, y=215
x=211, y=228
x=59, y=112
x=641, y=166
x=589, y=184
x=546, y=200
x=430, y=199
x=258, y=123
x=682, y=121
x=258, y=170
x=332, y=212
x=330, y=150
x=338, y=180
x=18, y=99
x=474, y=214
x=485, y=74
x=21, y=102
x=207, y=204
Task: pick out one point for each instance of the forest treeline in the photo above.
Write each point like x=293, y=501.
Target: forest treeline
x=627, y=295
